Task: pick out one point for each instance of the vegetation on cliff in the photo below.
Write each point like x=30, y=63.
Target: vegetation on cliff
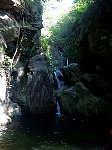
x=84, y=31
x=84, y=36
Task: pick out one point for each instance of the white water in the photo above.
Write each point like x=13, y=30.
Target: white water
x=60, y=83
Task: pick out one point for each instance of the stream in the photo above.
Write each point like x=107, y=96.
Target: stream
x=37, y=133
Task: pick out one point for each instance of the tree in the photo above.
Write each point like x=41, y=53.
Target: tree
x=63, y=33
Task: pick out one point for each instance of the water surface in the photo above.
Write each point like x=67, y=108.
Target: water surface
x=41, y=133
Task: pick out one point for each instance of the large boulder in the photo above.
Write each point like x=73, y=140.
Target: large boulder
x=12, y=109
x=71, y=74
x=32, y=86
x=39, y=87
x=18, y=91
x=79, y=100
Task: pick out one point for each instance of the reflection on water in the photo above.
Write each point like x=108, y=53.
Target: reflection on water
x=35, y=133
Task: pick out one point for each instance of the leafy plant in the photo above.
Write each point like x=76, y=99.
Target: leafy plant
x=63, y=33
x=45, y=46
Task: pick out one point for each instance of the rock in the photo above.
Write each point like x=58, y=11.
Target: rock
x=32, y=31
x=79, y=100
x=40, y=88
x=4, y=119
x=38, y=63
x=6, y=106
x=96, y=84
x=71, y=74
x=14, y=110
x=9, y=27
x=100, y=43
x=18, y=90
x=34, y=91
x=3, y=84
x=17, y=16
x=2, y=49
x=11, y=4
x=8, y=35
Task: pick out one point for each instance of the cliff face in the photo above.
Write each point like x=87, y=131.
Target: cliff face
x=11, y=4
x=92, y=36
x=94, y=40
x=20, y=29
x=19, y=21
x=9, y=35
x=32, y=24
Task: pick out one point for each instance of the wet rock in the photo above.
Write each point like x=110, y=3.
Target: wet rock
x=18, y=90
x=13, y=110
x=34, y=90
x=40, y=88
x=79, y=100
x=71, y=74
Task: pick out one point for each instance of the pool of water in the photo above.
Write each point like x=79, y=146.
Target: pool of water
x=40, y=133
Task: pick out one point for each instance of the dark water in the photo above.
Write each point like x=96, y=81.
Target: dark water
x=41, y=133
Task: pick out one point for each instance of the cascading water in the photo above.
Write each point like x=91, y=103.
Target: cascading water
x=58, y=84
x=57, y=80
x=58, y=109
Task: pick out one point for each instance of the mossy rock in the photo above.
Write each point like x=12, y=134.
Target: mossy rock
x=79, y=100
x=71, y=74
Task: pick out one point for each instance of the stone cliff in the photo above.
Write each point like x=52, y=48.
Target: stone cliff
x=20, y=29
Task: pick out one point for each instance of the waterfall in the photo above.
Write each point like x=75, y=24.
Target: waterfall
x=67, y=62
x=59, y=82
x=58, y=117
x=58, y=109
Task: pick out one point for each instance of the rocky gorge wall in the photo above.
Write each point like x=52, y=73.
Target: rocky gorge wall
x=20, y=29
x=9, y=34
x=88, y=79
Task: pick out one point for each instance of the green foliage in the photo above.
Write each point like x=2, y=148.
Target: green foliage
x=45, y=46
x=29, y=2
x=63, y=33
